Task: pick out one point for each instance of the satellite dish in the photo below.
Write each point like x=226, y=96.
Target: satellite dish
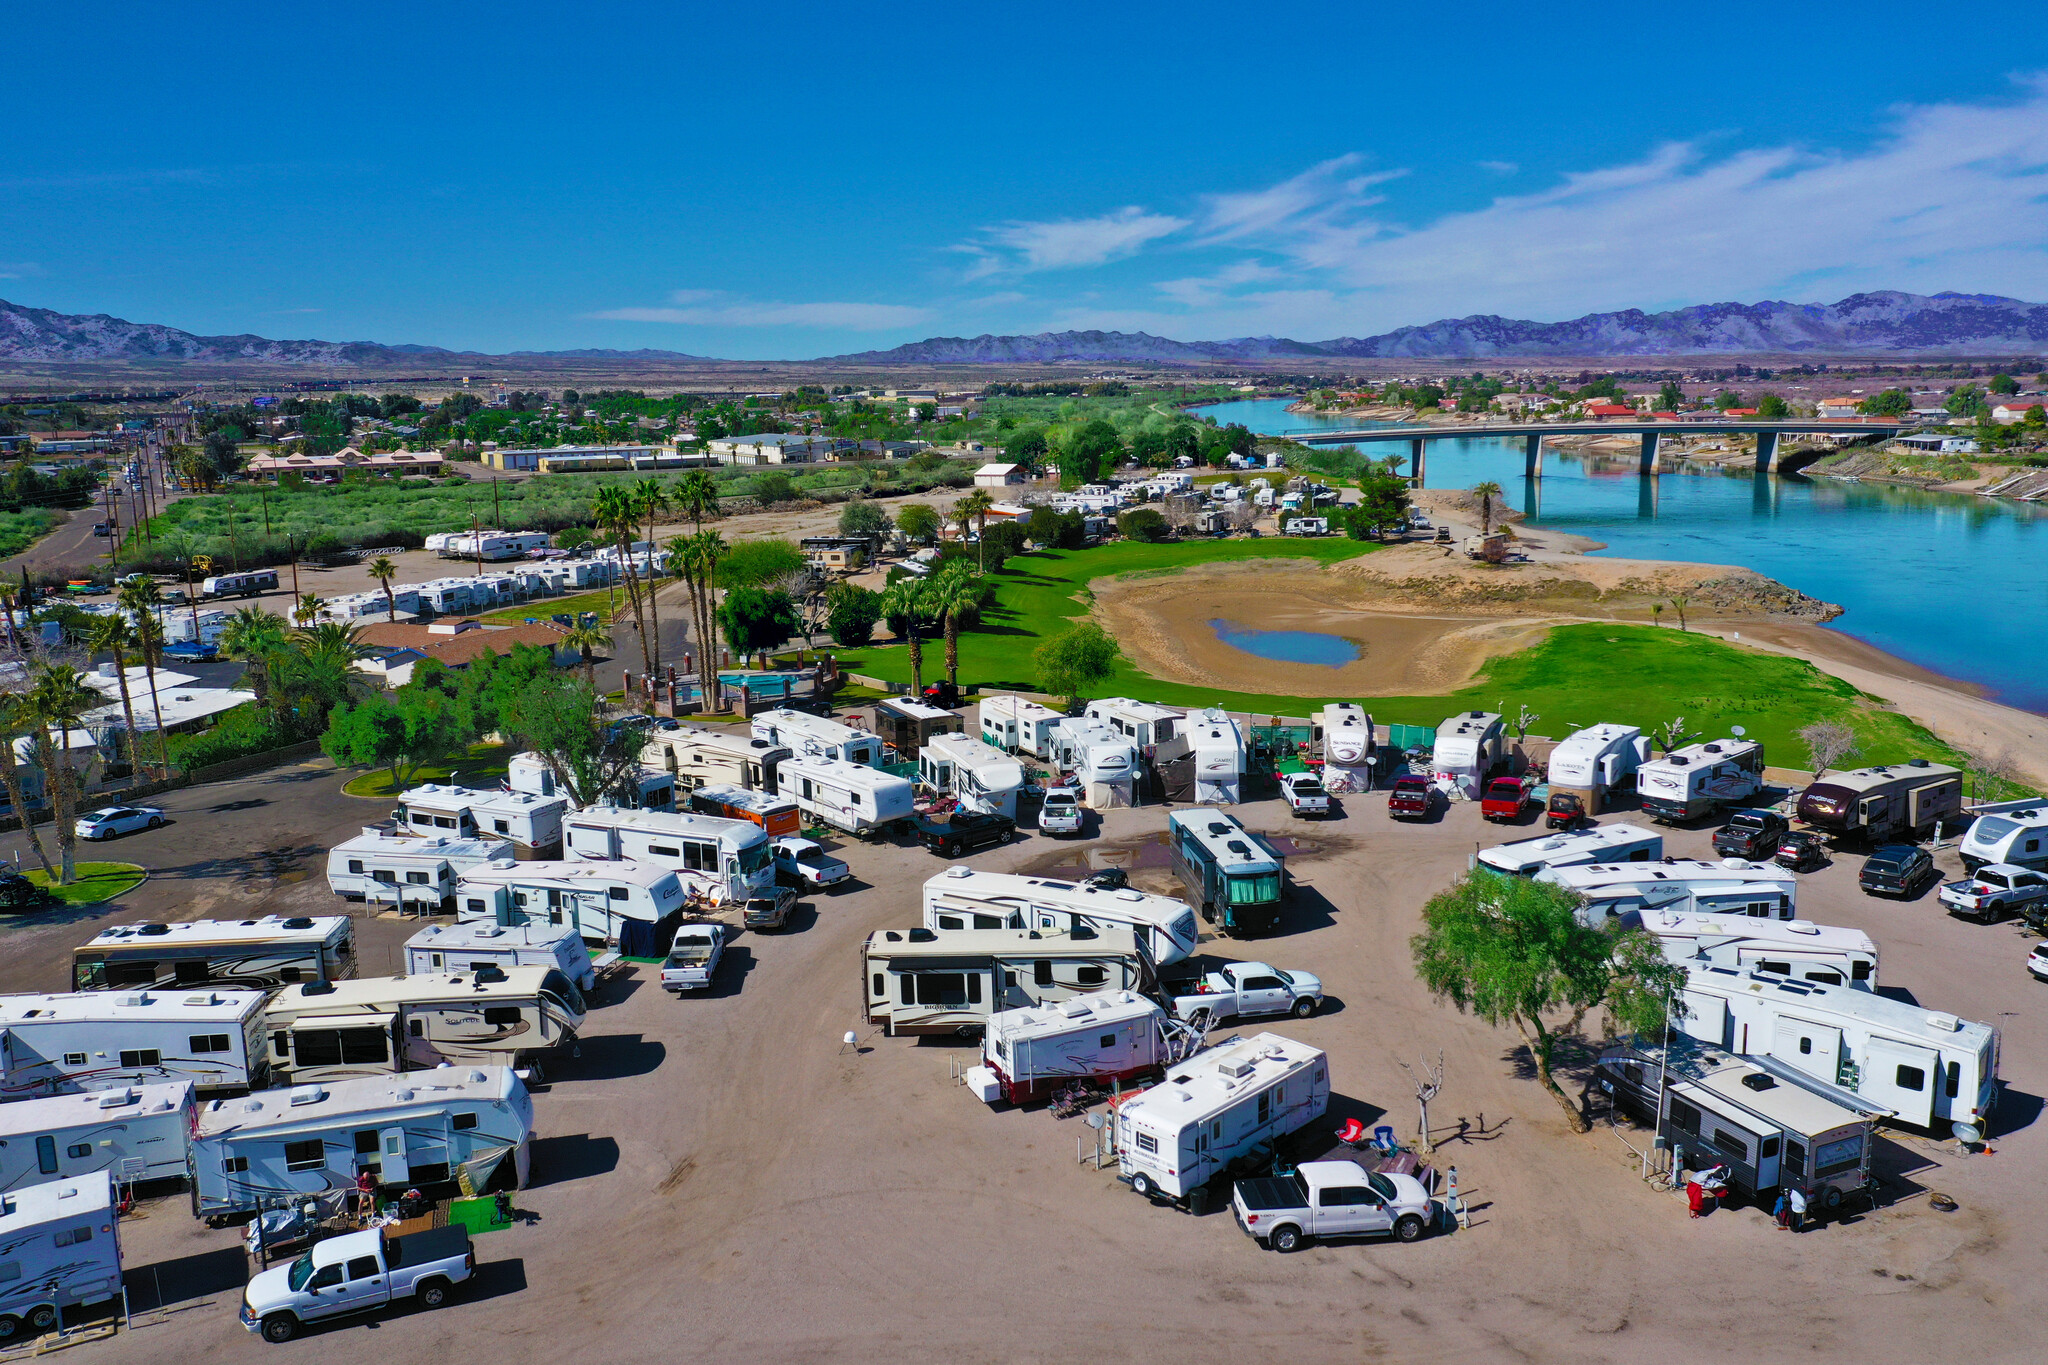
x=1737, y=731
x=1095, y=1120
x=1372, y=760
x=1965, y=1132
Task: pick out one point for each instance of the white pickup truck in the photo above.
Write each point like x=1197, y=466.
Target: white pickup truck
x=804, y=864
x=1061, y=811
x=356, y=1273
x=1331, y=1199
x=692, y=958
x=1305, y=794
x=1244, y=990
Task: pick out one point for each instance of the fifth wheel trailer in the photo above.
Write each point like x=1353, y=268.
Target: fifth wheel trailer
x=1596, y=762
x=1886, y=802
x=918, y=981
x=135, y=1134
x=104, y=1040
x=966, y=898
x=63, y=1243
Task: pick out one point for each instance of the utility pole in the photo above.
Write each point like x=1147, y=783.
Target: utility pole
x=497, y=510
x=477, y=542
x=291, y=548
x=113, y=528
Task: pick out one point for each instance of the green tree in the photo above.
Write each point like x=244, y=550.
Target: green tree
x=756, y=563
x=1043, y=526
x=771, y=488
x=1027, y=447
x=1890, y=403
x=851, y=613
x=1965, y=400
x=698, y=556
x=254, y=637
x=2036, y=418
x=956, y=596
x=696, y=497
x=2003, y=384
x=903, y=603
x=1669, y=396
x=1773, y=407
x=18, y=718
x=589, y=642
x=383, y=570
x=1726, y=399
x=144, y=599
x=556, y=717
x=1488, y=493
x=1075, y=662
x=111, y=634
x=1142, y=523
x=863, y=518
x=1382, y=502
x=615, y=514
x=650, y=500
x=402, y=732
x=1000, y=541
x=918, y=521
x=756, y=620
x=58, y=699
x=1511, y=951
x=1089, y=450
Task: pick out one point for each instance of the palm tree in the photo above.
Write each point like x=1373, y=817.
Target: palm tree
x=1486, y=493
x=696, y=497
x=905, y=600
x=615, y=514
x=651, y=499
x=308, y=609
x=975, y=507
x=587, y=640
x=17, y=718
x=956, y=595
x=111, y=634
x=256, y=637
x=144, y=599
x=697, y=557
x=57, y=699
x=383, y=570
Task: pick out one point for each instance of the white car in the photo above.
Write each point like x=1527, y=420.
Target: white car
x=806, y=863
x=108, y=821
x=2037, y=962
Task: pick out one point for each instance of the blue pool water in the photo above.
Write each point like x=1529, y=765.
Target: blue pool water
x=1287, y=646
x=1949, y=581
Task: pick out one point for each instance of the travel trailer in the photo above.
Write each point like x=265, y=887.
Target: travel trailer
x=907, y=724
x=135, y=1134
x=1686, y=885
x=920, y=981
x=774, y=815
x=1103, y=762
x=1469, y=747
x=475, y=946
x=239, y=584
x=405, y=871
x=701, y=758
x=604, y=902
x=1925, y=1067
x=500, y=1016
x=413, y=1131
x=1233, y=876
x=531, y=824
x=1218, y=747
x=1028, y=1053
x=639, y=788
x=1346, y=733
x=722, y=861
x=1599, y=844
x=980, y=776
x=1594, y=763
x=818, y=737
x=961, y=898
x=1701, y=779
x=491, y=546
x=62, y=1240
x=1796, y=948
x=855, y=797
x=2018, y=838
x=1887, y=802
x=106, y=1040
x=1220, y=1105
x=254, y=954
x=1142, y=723
x=1017, y=726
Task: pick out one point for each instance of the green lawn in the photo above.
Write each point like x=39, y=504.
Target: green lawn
x=603, y=603
x=96, y=882
x=19, y=530
x=483, y=766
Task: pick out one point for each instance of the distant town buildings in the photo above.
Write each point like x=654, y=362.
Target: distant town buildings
x=348, y=457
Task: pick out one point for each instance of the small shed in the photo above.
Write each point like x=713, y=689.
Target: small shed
x=999, y=476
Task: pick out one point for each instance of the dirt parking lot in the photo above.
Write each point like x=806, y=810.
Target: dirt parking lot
x=717, y=1178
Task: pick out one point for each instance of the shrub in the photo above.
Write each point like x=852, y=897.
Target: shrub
x=241, y=732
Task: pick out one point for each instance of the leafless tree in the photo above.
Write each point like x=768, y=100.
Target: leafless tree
x=1992, y=774
x=1428, y=1081
x=1827, y=743
x=1673, y=733
x=1524, y=718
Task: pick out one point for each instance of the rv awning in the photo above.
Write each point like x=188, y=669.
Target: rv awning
x=474, y=1174
x=305, y=1021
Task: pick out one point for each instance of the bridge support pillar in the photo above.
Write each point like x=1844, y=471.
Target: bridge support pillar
x=1532, y=457
x=1649, y=462
x=1415, y=448
x=1766, y=451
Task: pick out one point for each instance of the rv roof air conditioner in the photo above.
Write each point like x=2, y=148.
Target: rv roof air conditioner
x=957, y=872
x=1756, y=1080
x=307, y=1094
x=922, y=936
x=154, y=930
x=1677, y=761
x=298, y=922
x=1477, y=714
x=1218, y=827
x=317, y=988
x=1916, y=762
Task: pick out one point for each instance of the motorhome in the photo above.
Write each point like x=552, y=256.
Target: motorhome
x=818, y=737
x=501, y=1016
x=1700, y=779
x=467, y=1125
x=775, y=816
x=921, y=981
x=1599, y=844
x=962, y=898
x=1796, y=948
x=405, y=871
x=1028, y=1053
x=239, y=584
x=1687, y=885
x=1886, y=802
x=854, y=797
x=637, y=788
x=475, y=946
x=718, y=860
x=1346, y=734
x=104, y=1040
x=491, y=546
x=701, y=758
x=906, y=724
x=1233, y=876
x=1138, y=721
x=979, y=776
x=1595, y=763
x=1928, y=1068
x=1104, y=763
x=2017, y=837
x=62, y=1243
x=1470, y=746
x=1017, y=726
x=531, y=824
x=256, y=954
x=1219, y=757
x=605, y=902
x=1220, y=1105
x=136, y=1134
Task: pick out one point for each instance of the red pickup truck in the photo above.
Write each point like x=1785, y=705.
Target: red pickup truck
x=1504, y=799
x=1411, y=799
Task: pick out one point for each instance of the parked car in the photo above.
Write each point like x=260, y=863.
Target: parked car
x=770, y=911
x=964, y=831
x=2037, y=962
x=1326, y=1199
x=1412, y=798
x=1567, y=811
x=1996, y=890
x=1504, y=798
x=1801, y=850
x=1896, y=870
x=1060, y=813
x=1244, y=990
x=805, y=863
x=692, y=958
x=18, y=893
x=1751, y=834
x=1305, y=795
x=109, y=821
x=356, y=1273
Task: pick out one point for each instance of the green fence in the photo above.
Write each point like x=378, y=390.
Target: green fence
x=1411, y=736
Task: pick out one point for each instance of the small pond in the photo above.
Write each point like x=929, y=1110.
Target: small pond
x=1288, y=646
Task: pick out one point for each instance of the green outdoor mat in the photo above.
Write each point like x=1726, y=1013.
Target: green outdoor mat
x=478, y=1215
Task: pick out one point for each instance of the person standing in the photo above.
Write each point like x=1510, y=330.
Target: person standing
x=1782, y=1211
x=1797, y=1199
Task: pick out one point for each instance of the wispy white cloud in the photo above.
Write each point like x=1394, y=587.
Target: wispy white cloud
x=712, y=308
x=1067, y=242
x=287, y=312
x=1499, y=167
x=19, y=270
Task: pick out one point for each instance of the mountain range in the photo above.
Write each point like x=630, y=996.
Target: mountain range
x=1884, y=322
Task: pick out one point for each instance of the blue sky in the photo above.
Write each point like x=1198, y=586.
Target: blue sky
x=787, y=180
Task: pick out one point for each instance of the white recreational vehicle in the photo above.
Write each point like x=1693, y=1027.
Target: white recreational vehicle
x=1028, y=1053
x=63, y=1243
x=1469, y=747
x=252, y=954
x=855, y=797
x=100, y=1040
x=498, y=1016
x=1928, y=1068
x=963, y=898
x=531, y=824
x=1104, y=763
x=405, y=871
x=1215, y=1107
x=2018, y=837
x=1219, y=757
x=764, y=808
x=423, y=1129
x=492, y=545
x=1700, y=779
x=599, y=900
x=701, y=758
x=1138, y=721
x=239, y=584
x=638, y=788
x=809, y=736
x=1796, y=948
x=1017, y=726
x=472, y=947
x=720, y=860
x=135, y=1134
x=1599, y=844
x=1597, y=761
x=1346, y=732
x=919, y=981
x=979, y=775
x=1687, y=885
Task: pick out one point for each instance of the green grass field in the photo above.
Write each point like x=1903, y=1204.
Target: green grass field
x=19, y=530
x=604, y=603
x=96, y=882
x=483, y=766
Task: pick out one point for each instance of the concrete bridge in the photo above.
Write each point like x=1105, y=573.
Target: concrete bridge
x=1650, y=433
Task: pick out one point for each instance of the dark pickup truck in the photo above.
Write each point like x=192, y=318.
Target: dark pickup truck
x=1751, y=834
x=965, y=831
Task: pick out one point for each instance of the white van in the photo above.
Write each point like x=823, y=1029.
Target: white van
x=854, y=797
x=1598, y=844
x=1215, y=1107
x=474, y=946
x=405, y=871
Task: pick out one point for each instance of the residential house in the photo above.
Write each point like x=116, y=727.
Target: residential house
x=999, y=476
x=771, y=448
x=453, y=643
x=2013, y=410
x=1837, y=407
x=1601, y=412
x=348, y=457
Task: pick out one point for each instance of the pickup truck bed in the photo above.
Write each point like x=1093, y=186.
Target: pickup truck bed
x=1272, y=1192
x=435, y=1244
